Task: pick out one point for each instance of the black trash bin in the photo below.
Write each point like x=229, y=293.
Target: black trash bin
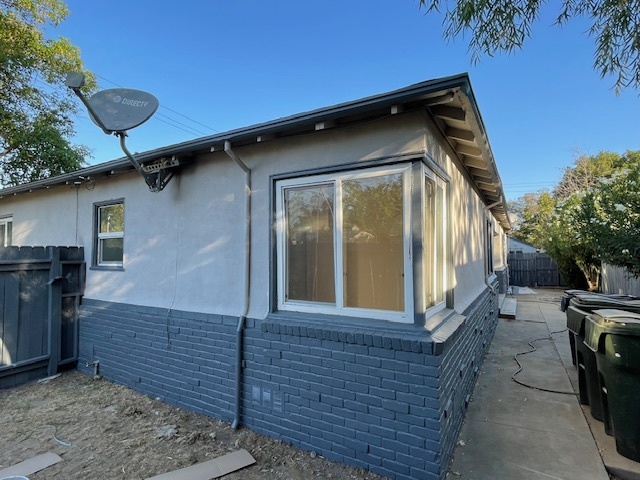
x=581, y=304
x=568, y=295
x=614, y=337
x=593, y=298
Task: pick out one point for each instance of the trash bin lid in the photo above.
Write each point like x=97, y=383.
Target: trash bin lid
x=591, y=301
x=573, y=292
x=609, y=321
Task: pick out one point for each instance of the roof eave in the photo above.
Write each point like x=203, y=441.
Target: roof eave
x=474, y=151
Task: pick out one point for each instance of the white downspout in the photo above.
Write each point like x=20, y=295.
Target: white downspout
x=247, y=277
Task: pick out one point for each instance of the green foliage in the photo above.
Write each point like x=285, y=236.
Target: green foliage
x=592, y=216
x=35, y=106
x=504, y=25
x=609, y=216
x=112, y=218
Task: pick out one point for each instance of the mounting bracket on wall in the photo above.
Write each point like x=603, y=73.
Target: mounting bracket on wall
x=120, y=109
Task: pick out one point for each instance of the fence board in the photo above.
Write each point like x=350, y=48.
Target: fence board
x=10, y=316
x=38, y=311
x=3, y=349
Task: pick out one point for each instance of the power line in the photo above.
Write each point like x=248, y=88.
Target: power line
x=199, y=132
x=157, y=118
x=180, y=123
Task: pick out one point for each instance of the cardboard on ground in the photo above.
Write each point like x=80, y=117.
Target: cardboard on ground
x=211, y=469
x=30, y=466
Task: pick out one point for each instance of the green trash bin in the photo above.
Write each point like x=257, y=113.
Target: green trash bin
x=588, y=301
x=614, y=337
x=581, y=305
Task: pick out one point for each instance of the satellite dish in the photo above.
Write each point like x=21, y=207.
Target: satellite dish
x=121, y=109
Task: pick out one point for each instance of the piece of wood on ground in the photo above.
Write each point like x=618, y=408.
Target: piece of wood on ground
x=508, y=308
x=33, y=465
x=212, y=468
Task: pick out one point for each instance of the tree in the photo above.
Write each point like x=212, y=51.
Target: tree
x=504, y=25
x=593, y=215
x=587, y=173
x=35, y=106
x=609, y=216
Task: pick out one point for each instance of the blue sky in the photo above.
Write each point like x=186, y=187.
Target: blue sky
x=217, y=65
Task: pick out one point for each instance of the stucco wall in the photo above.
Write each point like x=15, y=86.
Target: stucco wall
x=183, y=246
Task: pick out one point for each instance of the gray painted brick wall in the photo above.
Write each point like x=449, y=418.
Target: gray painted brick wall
x=380, y=399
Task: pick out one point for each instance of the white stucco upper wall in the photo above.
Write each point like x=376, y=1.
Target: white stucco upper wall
x=184, y=246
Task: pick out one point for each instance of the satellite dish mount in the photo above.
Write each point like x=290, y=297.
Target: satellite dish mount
x=120, y=109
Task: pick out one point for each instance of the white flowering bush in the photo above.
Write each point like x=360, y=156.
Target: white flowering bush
x=611, y=219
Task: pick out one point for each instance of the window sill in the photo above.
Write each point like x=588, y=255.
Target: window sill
x=373, y=333
x=108, y=269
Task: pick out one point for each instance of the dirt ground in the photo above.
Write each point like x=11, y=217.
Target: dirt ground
x=107, y=431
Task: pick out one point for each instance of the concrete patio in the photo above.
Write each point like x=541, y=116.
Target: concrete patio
x=512, y=431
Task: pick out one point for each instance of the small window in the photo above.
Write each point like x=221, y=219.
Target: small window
x=6, y=230
x=109, y=245
x=489, y=246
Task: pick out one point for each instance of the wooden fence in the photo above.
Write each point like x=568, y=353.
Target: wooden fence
x=619, y=280
x=40, y=290
x=533, y=270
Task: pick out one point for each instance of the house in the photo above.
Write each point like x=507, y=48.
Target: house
x=329, y=278
x=516, y=245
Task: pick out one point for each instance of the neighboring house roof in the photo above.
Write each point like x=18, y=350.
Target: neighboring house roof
x=449, y=101
x=514, y=243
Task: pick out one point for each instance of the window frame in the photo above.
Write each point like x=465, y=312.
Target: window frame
x=336, y=178
x=414, y=204
x=7, y=221
x=437, y=263
x=98, y=236
x=489, y=246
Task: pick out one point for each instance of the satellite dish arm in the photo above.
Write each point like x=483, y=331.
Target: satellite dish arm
x=149, y=179
x=75, y=81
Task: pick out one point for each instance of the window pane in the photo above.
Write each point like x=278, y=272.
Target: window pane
x=434, y=258
x=111, y=218
x=429, y=241
x=373, y=253
x=310, y=244
x=110, y=250
x=8, y=234
x=439, y=243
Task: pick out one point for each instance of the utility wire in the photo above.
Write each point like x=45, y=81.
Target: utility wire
x=173, y=111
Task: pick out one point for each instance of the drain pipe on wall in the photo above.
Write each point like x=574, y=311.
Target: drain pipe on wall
x=247, y=277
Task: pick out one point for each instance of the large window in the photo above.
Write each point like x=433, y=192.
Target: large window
x=344, y=243
x=6, y=231
x=109, y=244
